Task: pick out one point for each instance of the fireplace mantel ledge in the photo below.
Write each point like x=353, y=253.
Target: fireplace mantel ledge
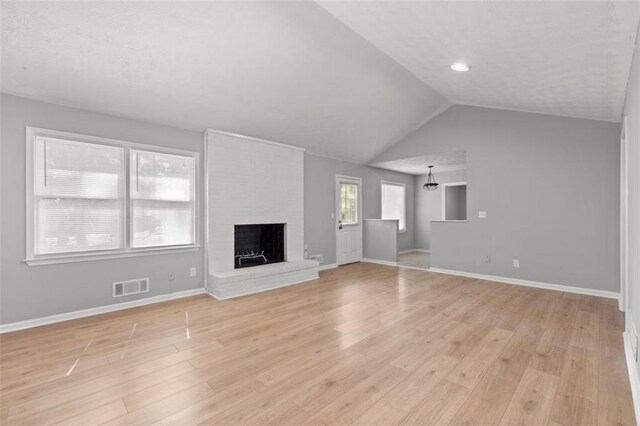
x=263, y=270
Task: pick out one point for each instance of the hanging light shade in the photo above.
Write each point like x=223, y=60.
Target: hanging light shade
x=431, y=184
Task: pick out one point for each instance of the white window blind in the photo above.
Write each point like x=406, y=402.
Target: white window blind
x=78, y=196
x=393, y=203
x=162, y=199
x=90, y=197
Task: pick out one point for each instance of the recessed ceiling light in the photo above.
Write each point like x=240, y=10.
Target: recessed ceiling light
x=459, y=66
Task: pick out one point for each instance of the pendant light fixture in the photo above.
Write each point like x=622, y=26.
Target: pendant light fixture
x=431, y=184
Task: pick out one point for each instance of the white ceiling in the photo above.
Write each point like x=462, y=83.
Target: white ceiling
x=293, y=72
x=290, y=72
x=568, y=58
x=441, y=162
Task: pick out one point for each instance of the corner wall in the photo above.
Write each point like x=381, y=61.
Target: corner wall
x=549, y=185
x=319, y=201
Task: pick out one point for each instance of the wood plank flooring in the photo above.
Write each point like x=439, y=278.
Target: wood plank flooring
x=364, y=344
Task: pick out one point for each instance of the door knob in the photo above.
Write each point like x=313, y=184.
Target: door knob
x=339, y=224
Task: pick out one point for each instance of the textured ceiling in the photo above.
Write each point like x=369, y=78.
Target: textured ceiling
x=289, y=72
x=567, y=58
x=442, y=162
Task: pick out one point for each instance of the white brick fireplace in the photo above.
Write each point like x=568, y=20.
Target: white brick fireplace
x=253, y=181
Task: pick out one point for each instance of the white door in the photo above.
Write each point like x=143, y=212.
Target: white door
x=348, y=220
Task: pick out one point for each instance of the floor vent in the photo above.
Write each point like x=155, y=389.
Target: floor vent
x=127, y=288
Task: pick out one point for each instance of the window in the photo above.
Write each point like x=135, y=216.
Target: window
x=349, y=203
x=162, y=199
x=393, y=203
x=92, y=197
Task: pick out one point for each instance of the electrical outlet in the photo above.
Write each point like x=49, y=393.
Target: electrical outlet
x=482, y=215
x=487, y=259
x=171, y=277
x=192, y=272
x=516, y=263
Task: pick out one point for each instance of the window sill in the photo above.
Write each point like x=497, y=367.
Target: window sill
x=86, y=257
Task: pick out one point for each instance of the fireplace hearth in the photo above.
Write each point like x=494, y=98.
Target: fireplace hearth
x=259, y=244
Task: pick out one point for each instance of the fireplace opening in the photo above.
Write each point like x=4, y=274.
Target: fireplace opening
x=259, y=244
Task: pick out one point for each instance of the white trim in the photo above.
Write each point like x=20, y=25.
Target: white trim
x=329, y=266
x=632, y=369
x=415, y=251
x=205, y=153
x=412, y=267
x=31, y=259
x=623, y=304
x=254, y=139
x=527, y=283
x=380, y=262
x=86, y=257
x=22, y=325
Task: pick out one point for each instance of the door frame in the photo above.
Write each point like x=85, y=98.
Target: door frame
x=623, y=301
x=360, y=221
x=444, y=200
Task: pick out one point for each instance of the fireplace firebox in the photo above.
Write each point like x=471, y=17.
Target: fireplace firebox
x=259, y=244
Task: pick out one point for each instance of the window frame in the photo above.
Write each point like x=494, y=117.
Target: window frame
x=404, y=207
x=31, y=259
x=358, y=207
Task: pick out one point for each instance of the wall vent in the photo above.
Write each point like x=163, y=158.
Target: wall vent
x=317, y=257
x=127, y=288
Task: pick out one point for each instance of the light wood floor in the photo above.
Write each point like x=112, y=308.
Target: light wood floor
x=365, y=344
x=415, y=259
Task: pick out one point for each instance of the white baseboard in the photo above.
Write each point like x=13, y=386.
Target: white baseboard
x=412, y=267
x=527, y=283
x=22, y=325
x=329, y=266
x=380, y=262
x=633, y=373
x=415, y=251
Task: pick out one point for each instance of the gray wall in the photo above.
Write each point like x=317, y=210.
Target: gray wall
x=549, y=185
x=380, y=239
x=319, y=201
x=455, y=202
x=36, y=291
x=429, y=205
x=632, y=111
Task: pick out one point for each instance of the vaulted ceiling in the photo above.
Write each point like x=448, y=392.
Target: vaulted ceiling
x=569, y=58
x=285, y=71
x=342, y=79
